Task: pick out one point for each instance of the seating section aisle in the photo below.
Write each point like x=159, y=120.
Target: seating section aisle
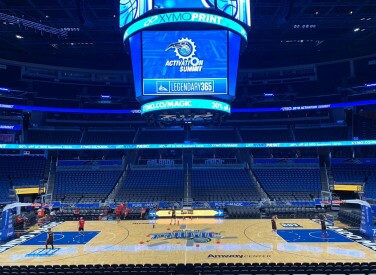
x=290, y=184
x=223, y=185
x=84, y=186
x=152, y=185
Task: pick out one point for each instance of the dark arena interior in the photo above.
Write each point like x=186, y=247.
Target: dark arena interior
x=187, y=137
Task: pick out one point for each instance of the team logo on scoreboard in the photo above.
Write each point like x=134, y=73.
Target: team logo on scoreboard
x=185, y=50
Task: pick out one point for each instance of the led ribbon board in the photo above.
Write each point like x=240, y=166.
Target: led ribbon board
x=185, y=17
x=241, y=110
x=185, y=104
x=10, y=127
x=185, y=145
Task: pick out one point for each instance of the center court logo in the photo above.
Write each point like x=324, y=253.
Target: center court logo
x=197, y=236
x=185, y=50
x=291, y=225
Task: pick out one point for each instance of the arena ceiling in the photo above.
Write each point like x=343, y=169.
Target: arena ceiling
x=85, y=33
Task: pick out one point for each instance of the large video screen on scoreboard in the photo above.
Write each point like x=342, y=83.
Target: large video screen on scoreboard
x=185, y=63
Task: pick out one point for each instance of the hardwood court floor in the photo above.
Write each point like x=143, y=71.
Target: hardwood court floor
x=137, y=242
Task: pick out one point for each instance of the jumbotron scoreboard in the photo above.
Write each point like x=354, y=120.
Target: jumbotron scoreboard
x=185, y=55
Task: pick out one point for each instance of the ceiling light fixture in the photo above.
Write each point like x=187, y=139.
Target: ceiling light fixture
x=356, y=29
x=30, y=24
x=19, y=36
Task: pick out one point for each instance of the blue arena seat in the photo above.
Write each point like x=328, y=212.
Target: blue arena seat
x=155, y=136
x=321, y=134
x=112, y=136
x=290, y=184
x=220, y=136
x=266, y=135
x=85, y=185
x=151, y=185
x=357, y=172
x=223, y=185
x=17, y=171
x=22, y=170
x=54, y=136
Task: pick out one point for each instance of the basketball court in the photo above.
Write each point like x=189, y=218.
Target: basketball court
x=190, y=241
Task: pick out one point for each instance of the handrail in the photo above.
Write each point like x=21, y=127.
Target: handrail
x=327, y=177
x=118, y=185
x=48, y=178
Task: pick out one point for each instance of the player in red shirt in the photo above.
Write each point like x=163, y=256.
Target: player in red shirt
x=121, y=207
x=81, y=225
x=118, y=213
x=143, y=211
x=126, y=212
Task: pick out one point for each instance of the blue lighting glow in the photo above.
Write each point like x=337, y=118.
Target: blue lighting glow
x=185, y=104
x=184, y=17
x=185, y=62
x=237, y=110
x=10, y=127
x=186, y=145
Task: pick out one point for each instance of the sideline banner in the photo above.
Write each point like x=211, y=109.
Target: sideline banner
x=7, y=229
x=366, y=225
x=367, y=228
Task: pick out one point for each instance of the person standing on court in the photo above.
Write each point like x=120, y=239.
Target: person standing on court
x=324, y=230
x=50, y=238
x=173, y=216
x=81, y=226
x=118, y=214
x=274, y=223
